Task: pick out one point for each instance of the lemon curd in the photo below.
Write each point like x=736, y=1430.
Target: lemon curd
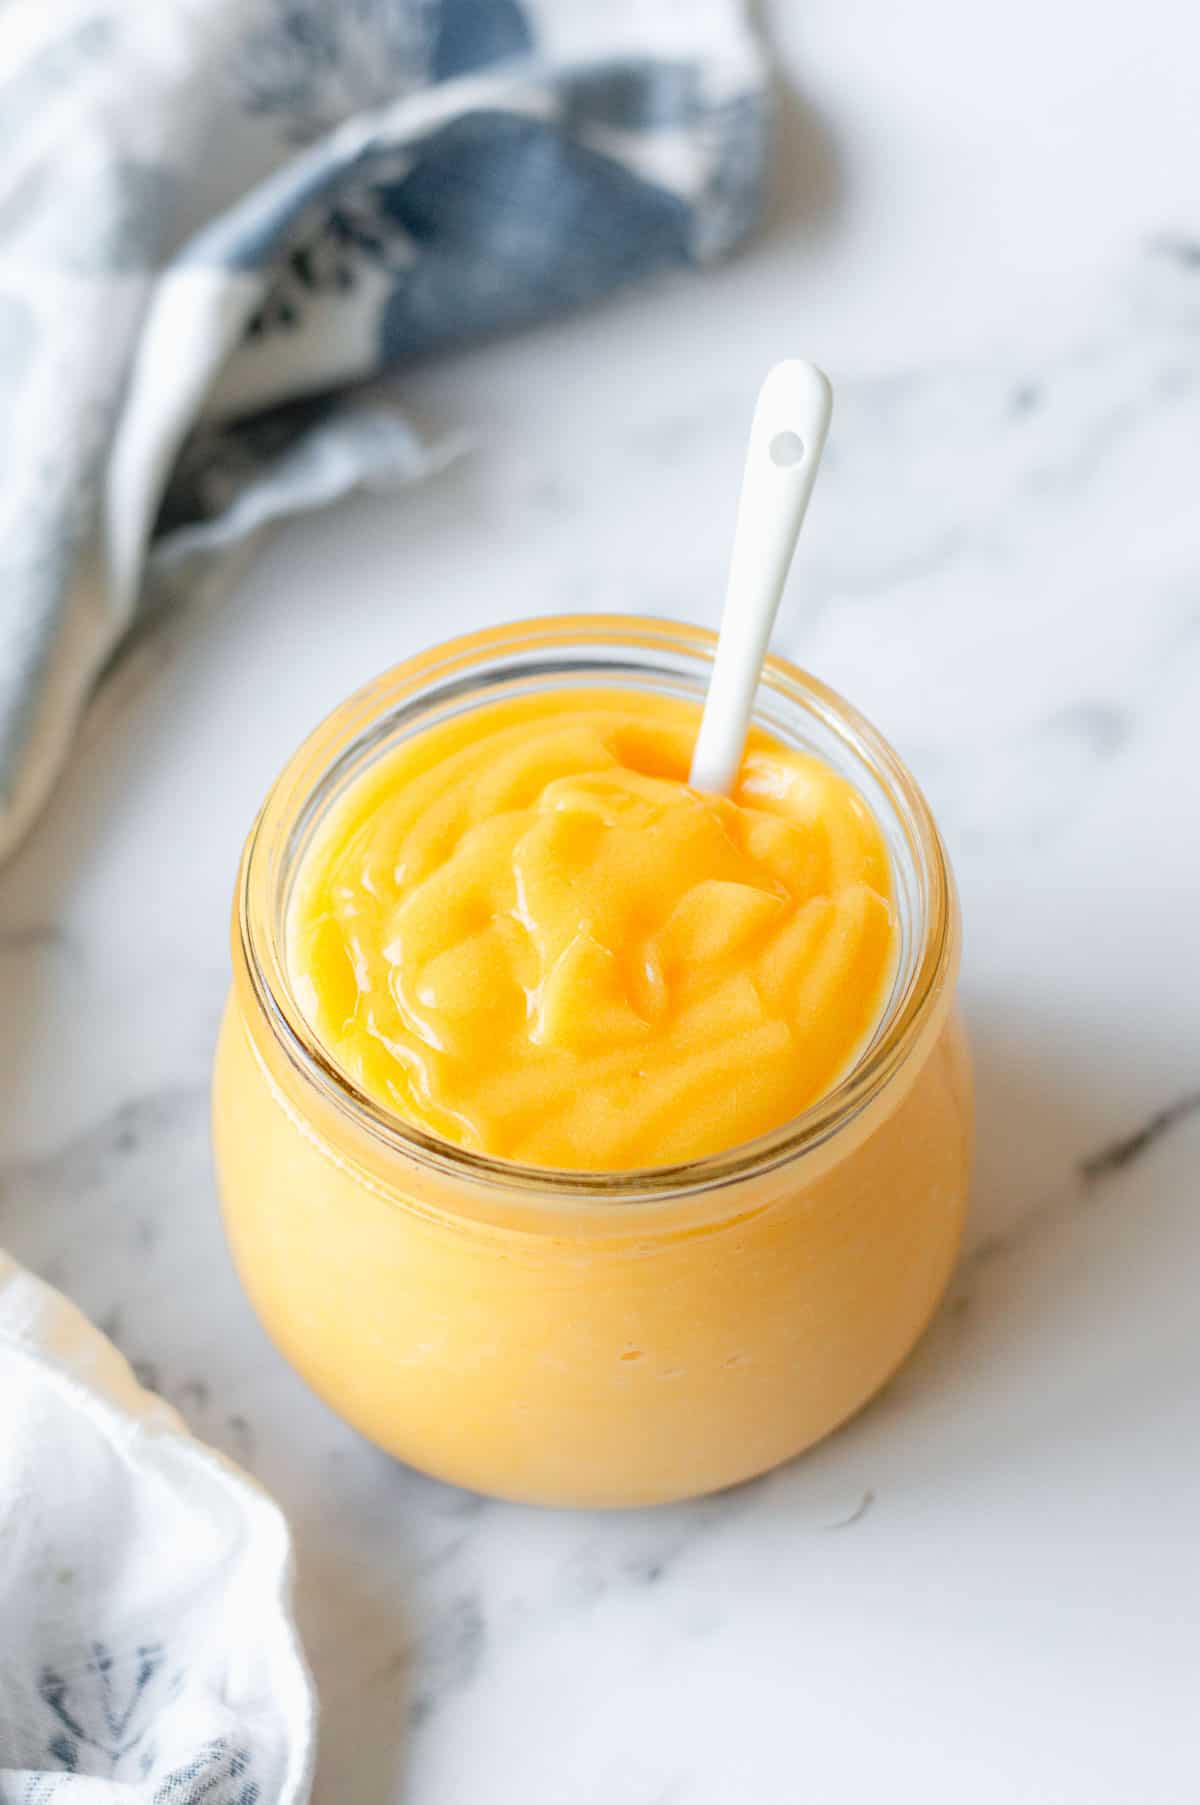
x=581, y=1138
x=522, y=931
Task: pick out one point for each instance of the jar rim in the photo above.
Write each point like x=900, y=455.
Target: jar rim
x=444, y=673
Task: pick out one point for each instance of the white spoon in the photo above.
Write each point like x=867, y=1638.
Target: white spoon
x=787, y=438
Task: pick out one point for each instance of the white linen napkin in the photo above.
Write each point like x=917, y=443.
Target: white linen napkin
x=147, y=1651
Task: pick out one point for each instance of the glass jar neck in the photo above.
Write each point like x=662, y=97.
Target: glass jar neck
x=535, y=656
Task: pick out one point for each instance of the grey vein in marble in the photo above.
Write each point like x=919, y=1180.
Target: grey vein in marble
x=1118, y=1154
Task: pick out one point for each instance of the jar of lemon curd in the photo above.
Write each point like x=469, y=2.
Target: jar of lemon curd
x=570, y=1336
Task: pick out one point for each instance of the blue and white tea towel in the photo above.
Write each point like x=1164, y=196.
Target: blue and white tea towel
x=147, y=1654
x=216, y=214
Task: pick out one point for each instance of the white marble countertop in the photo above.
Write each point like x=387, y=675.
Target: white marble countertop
x=987, y=1588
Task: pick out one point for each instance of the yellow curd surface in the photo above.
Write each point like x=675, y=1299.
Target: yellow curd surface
x=519, y=930
x=522, y=931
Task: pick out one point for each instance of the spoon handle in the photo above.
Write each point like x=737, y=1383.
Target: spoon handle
x=787, y=437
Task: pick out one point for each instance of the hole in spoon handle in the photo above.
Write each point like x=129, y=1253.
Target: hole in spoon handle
x=786, y=449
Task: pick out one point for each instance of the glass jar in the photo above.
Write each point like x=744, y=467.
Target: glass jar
x=591, y=1338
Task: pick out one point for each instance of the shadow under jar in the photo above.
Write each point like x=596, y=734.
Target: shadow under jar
x=588, y=1338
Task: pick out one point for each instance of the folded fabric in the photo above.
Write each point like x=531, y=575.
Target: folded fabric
x=213, y=217
x=148, y=1655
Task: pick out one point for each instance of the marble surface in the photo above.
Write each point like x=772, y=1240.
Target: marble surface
x=987, y=226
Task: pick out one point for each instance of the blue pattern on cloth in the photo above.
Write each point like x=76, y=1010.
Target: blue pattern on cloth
x=214, y=219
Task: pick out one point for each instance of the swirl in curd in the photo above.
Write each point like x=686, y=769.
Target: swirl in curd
x=522, y=932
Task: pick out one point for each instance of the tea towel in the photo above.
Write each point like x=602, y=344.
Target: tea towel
x=147, y=1654
x=217, y=215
